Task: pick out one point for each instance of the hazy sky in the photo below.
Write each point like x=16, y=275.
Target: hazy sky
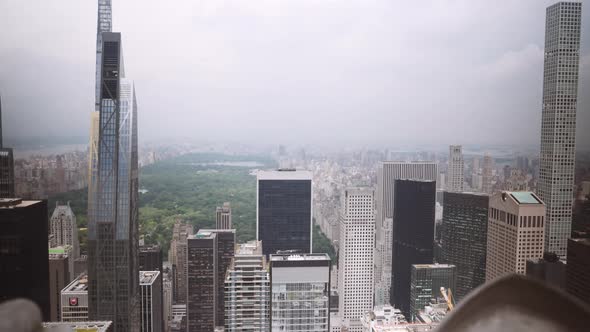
x=367, y=71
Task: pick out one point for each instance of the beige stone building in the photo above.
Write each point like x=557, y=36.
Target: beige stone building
x=516, y=232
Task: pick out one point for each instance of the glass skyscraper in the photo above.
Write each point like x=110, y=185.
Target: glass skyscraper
x=284, y=216
x=413, y=235
x=464, y=238
x=112, y=217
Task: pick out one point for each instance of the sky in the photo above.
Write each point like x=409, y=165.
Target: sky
x=374, y=72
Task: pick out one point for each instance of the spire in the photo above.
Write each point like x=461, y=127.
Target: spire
x=104, y=23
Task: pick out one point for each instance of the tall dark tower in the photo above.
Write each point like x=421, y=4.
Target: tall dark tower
x=284, y=201
x=6, y=166
x=113, y=266
x=413, y=235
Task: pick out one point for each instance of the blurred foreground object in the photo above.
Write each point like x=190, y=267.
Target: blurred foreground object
x=517, y=303
x=19, y=315
x=22, y=315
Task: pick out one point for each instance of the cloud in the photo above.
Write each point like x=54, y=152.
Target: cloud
x=374, y=72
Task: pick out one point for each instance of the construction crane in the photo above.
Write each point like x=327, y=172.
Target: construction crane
x=448, y=295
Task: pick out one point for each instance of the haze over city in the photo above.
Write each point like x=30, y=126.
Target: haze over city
x=297, y=72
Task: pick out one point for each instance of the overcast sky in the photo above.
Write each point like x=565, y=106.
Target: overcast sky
x=368, y=71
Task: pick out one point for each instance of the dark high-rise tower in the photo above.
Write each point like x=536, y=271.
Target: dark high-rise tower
x=112, y=218
x=413, y=235
x=24, y=261
x=210, y=253
x=284, y=218
x=464, y=238
x=6, y=166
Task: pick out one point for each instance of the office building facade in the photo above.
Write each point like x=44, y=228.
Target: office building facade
x=426, y=283
x=578, y=268
x=356, y=254
x=487, y=174
x=464, y=238
x=6, y=166
x=177, y=256
x=515, y=232
x=23, y=254
x=210, y=253
x=247, y=291
x=284, y=211
x=387, y=174
x=223, y=216
x=455, y=176
x=413, y=235
x=74, y=300
x=63, y=228
x=59, y=277
x=558, y=124
x=300, y=292
x=150, y=284
x=113, y=220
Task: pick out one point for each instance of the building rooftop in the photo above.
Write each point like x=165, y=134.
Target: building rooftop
x=60, y=250
x=524, y=197
x=299, y=257
x=249, y=248
x=148, y=277
x=94, y=326
x=284, y=174
x=9, y=203
x=79, y=284
x=153, y=248
x=430, y=266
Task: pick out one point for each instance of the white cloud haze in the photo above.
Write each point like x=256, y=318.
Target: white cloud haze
x=368, y=71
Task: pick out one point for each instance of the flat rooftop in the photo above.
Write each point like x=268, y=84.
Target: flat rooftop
x=79, y=284
x=148, y=277
x=524, y=197
x=9, y=203
x=431, y=266
x=96, y=326
x=284, y=174
x=300, y=257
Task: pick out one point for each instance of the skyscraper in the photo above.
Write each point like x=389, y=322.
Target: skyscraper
x=284, y=210
x=515, y=232
x=64, y=229
x=455, y=172
x=150, y=283
x=223, y=216
x=23, y=255
x=413, y=235
x=6, y=166
x=150, y=258
x=486, y=174
x=210, y=253
x=357, y=242
x=177, y=257
x=386, y=176
x=464, y=238
x=426, y=281
x=247, y=291
x=112, y=221
x=59, y=277
x=558, y=124
x=300, y=291
x=577, y=281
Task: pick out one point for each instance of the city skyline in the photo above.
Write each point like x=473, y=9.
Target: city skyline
x=511, y=62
